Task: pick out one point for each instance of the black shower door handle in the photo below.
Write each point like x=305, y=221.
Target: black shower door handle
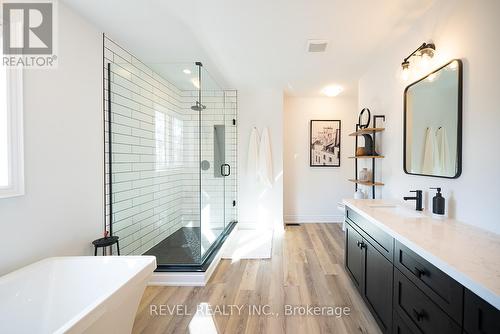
x=223, y=169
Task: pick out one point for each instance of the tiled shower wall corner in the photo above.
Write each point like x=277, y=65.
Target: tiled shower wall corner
x=156, y=177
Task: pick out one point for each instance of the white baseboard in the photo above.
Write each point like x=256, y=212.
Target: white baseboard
x=191, y=278
x=177, y=279
x=304, y=219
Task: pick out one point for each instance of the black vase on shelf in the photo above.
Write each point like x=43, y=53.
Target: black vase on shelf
x=368, y=149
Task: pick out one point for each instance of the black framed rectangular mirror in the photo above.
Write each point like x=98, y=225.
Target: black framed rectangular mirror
x=432, y=140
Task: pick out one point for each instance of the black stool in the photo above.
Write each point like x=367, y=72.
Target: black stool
x=105, y=242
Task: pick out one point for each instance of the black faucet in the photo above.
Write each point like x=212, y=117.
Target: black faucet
x=417, y=198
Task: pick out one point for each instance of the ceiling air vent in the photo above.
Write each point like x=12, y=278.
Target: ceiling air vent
x=317, y=45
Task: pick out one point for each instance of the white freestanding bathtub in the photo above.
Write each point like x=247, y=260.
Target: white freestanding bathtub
x=84, y=294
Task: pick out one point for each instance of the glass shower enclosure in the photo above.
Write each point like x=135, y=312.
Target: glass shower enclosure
x=171, y=169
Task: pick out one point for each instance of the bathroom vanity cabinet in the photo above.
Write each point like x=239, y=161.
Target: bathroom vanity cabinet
x=404, y=291
x=371, y=272
x=479, y=316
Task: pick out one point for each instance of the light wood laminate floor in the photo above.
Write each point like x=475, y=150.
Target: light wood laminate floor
x=306, y=269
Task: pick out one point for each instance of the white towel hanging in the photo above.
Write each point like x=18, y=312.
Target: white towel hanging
x=445, y=164
x=430, y=164
x=253, y=156
x=265, y=159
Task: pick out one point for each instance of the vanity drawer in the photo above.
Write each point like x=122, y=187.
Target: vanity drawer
x=383, y=242
x=438, y=286
x=419, y=312
x=479, y=316
x=399, y=326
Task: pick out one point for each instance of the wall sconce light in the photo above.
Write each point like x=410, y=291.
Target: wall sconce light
x=425, y=51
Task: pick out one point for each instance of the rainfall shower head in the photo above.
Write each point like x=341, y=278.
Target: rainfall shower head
x=198, y=106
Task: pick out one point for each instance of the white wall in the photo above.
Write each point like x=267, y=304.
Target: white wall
x=311, y=194
x=260, y=108
x=460, y=29
x=62, y=211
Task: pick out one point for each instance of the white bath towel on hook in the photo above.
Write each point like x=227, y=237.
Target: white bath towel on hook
x=253, y=156
x=265, y=159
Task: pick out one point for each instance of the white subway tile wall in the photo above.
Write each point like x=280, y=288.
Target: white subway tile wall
x=156, y=159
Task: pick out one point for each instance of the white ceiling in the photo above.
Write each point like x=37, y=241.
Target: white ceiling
x=262, y=43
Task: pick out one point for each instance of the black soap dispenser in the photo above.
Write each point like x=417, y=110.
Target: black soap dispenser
x=438, y=203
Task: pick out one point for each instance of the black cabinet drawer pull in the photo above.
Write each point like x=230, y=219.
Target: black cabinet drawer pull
x=420, y=272
x=419, y=315
x=361, y=244
x=480, y=321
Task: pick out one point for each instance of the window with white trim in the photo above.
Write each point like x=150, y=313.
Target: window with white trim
x=11, y=132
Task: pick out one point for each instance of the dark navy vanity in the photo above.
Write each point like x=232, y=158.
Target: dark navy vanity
x=405, y=292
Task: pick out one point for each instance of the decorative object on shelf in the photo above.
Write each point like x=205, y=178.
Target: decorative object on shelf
x=366, y=177
x=359, y=194
x=369, y=148
x=364, y=174
x=324, y=141
x=361, y=151
x=425, y=51
x=364, y=118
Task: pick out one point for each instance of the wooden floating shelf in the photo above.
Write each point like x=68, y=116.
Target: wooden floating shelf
x=367, y=183
x=366, y=131
x=367, y=157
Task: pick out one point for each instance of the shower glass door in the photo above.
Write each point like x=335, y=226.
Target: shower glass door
x=213, y=166
x=170, y=159
x=231, y=156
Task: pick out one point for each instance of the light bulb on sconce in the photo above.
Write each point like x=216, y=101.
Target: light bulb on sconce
x=425, y=52
x=425, y=61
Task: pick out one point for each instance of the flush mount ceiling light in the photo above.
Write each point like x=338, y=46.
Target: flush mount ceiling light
x=186, y=71
x=332, y=90
x=425, y=51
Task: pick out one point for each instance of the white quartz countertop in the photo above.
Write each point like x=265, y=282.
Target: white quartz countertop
x=466, y=253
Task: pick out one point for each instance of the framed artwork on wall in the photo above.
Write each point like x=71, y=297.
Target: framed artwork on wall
x=324, y=143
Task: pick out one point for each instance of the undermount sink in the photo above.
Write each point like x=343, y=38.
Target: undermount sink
x=396, y=210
